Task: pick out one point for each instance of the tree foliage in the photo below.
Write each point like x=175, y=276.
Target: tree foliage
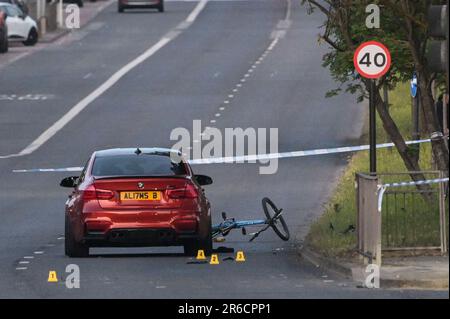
x=404, y=30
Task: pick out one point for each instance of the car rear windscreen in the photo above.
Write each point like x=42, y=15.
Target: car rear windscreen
x=137, y=165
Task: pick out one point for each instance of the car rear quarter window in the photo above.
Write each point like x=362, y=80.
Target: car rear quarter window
x=137, y=165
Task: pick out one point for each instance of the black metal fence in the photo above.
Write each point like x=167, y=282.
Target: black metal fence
x=412, y=216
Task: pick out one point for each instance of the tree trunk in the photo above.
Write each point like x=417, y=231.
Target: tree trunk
x=396, y=137
x=439, y=147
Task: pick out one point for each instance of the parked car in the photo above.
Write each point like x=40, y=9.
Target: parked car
x=21, y=27
x=20, y=3
x=3, y=33
x=132, y=197
x=140, y=4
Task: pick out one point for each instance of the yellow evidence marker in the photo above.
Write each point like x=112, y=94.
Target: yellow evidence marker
x=214, y=260
x=240, y=256
x=201, y=255
x=52, y=277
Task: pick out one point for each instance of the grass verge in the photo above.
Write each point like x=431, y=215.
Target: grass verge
x=333, y=233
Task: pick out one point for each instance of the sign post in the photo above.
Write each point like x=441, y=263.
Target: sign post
x=372, y=60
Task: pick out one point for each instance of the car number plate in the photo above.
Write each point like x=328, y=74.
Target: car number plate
x=145, y=196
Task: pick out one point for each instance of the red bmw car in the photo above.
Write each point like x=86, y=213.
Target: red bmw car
x=137, y=197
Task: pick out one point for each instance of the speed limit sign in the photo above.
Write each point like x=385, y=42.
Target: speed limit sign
x=372, y=60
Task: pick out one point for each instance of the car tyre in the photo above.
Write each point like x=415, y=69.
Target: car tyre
x=3, y=46
x=161, y=6
x=71, y=246
x=32, y=38
x=206, y=244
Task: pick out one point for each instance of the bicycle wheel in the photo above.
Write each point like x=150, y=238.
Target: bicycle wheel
x=275, y=219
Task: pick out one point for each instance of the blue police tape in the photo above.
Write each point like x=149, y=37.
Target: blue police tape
x=383, y=187
x=247, y=158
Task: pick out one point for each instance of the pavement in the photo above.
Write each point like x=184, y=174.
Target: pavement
x=418, y=272
x=201, y=71
x=18, y=51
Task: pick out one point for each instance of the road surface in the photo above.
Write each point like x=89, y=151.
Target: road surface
x=244, y=64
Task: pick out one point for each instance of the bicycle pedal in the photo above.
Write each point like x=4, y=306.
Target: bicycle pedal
x=219, y=239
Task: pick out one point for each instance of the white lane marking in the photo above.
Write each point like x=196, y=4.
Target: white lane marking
x=28, y=257
x=230, y=96
x=213, y=121
x=194, y=14
x=38, y=252
x=222, y=108
x=218, y=115
x=21, y=268
x=80, y=106
x=87, y=76
x=226, y=102
x=24, y=262
x=289, y=10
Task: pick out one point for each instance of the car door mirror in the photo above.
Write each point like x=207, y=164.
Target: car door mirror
x=69, y=182
x=203, y=180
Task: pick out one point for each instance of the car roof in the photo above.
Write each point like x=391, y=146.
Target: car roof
x=136, y=151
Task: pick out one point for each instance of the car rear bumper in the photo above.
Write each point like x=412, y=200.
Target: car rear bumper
x=139, y=3
x=138, y=237
x=143, y=228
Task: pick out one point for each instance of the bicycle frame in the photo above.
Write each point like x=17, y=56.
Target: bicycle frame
x=224, y=227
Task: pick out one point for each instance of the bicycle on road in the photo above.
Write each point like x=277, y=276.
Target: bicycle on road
x=274, y=219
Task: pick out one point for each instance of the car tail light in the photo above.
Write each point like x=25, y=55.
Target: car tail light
x=91, y=193
x=189, y=192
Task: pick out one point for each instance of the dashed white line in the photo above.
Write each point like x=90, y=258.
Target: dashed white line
x=23, y=262
x=28, y=257
x=38, y=252
x=21, y=268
